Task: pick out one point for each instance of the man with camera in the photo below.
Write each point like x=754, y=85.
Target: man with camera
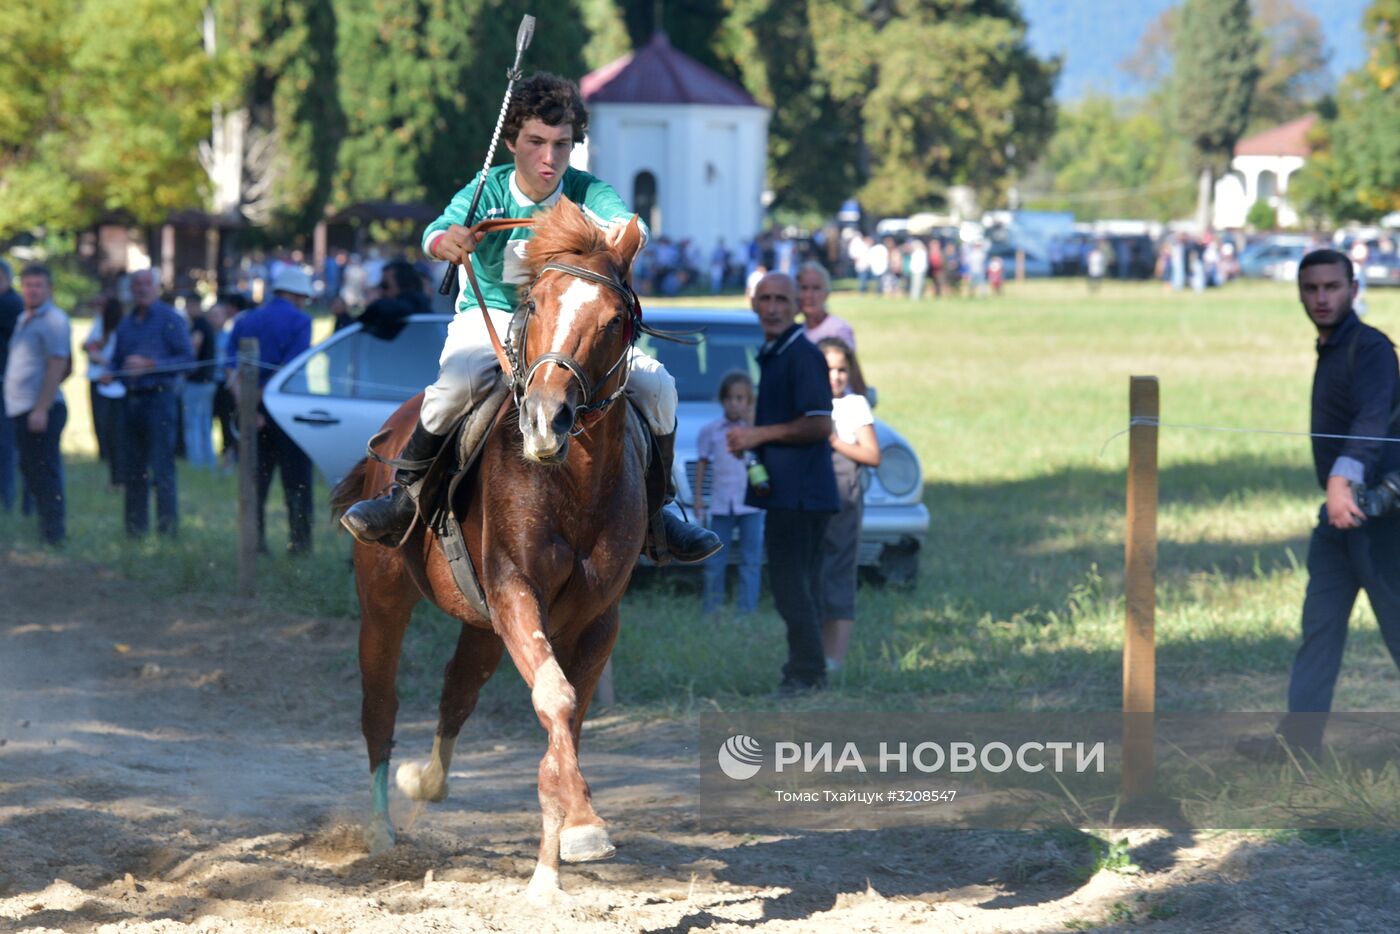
x=1356, y=544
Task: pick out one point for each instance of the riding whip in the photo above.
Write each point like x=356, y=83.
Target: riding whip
x=523, y=35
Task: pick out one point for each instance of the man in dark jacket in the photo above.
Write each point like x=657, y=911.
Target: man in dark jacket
x=282, y=331
x=1356, y=394
x=403, y=296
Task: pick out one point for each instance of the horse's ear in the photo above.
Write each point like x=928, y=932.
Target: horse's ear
x=627, y=241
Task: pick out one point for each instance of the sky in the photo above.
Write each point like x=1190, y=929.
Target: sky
x=1094, y=36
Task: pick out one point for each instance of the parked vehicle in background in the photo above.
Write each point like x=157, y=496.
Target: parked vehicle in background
x=896, y=521
x=1036, y=264
x=1273, y=256
x=1383, y=269
x=335, y=396
x=1069, y=253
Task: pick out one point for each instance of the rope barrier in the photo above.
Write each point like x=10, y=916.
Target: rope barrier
x=348, y=381
x=1139, y=421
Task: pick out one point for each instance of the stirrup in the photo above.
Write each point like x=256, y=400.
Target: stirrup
x=700, y=543
x=388, y=529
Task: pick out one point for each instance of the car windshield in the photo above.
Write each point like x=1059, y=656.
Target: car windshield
x=698, y=368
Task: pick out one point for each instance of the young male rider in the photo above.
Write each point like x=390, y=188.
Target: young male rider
x=546, y=118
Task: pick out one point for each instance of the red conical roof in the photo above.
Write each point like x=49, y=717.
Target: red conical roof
x=1289, y=139
x=658, y=73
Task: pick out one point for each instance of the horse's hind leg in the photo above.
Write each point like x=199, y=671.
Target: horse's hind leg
x=387, y=597
x=475, y=660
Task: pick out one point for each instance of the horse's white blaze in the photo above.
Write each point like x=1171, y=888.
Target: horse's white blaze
x=579, y=293
x=541, y=425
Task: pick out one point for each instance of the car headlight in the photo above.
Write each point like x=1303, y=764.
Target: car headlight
x=898, y=470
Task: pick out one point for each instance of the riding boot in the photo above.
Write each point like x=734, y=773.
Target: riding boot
x=386, y=520
x=669, y=537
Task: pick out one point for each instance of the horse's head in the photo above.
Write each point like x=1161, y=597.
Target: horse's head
x=579, y=325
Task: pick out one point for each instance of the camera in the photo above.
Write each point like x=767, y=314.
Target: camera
x=1381, y=499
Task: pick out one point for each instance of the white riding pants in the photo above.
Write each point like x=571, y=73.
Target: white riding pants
x=468, y=370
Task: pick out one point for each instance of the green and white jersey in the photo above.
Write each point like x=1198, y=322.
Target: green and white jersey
x=499, y=259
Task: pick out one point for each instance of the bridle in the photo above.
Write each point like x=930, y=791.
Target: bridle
x=592, y=409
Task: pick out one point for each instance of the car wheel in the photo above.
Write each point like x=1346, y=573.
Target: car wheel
x=898, y=567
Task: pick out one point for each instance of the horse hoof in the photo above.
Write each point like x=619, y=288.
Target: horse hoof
x=379, y=835
x=411, y=782
x=585, y=844
x=543, y=890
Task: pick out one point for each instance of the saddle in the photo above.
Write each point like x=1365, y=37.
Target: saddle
x=455, y=462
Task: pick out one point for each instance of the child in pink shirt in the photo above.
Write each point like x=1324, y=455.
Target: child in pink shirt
x=726, y=510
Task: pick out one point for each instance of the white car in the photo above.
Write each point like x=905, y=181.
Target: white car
x=335, y=396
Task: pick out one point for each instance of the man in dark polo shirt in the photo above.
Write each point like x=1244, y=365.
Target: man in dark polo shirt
x=791, y=426
x=152, y=352
x=1355, y=395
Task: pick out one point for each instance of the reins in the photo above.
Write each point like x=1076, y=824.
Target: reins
x=591, y=410
x=503, y=356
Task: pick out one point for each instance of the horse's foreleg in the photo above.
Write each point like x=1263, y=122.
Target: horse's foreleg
x=475, y=660
x=564, y=796
x=387, y=598
x=581, y=841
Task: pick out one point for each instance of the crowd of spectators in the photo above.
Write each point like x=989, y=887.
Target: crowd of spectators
x=161, y=371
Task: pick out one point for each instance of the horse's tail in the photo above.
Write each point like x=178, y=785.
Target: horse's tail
x=350, y=490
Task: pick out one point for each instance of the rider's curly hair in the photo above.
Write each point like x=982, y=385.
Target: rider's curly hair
x=550, y=99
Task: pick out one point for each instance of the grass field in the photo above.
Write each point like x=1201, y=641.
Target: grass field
x=1018, y=603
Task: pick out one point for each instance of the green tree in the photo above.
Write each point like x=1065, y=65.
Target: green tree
x=1292, y=63
x=814, y=137
x=421, y=85
x=607, y=33
x=1291, y=56
x=957, y=99
x=908, y=96
x=1354, y=171
x=1215, y=69
x=1262, y=216
x=284, y=55
x=696, y=27
x=102, y=107
x=1113, y=159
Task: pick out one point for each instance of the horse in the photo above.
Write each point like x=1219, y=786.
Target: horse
x=555, y=520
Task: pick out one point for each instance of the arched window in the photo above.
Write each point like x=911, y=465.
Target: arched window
x=645, y=202
x=1268, y=186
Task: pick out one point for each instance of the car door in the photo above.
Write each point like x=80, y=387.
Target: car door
x=337, y=395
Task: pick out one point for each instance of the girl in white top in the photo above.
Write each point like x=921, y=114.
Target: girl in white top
x=106, y=394
x=853, y=446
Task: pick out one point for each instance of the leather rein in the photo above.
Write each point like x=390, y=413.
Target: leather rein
x=590, y=411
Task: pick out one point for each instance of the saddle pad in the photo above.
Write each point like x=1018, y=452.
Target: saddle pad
x=465, y=446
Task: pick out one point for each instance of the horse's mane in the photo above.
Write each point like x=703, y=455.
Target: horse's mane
x=563, y=231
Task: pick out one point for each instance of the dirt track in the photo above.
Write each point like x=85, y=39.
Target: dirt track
x=160, y=773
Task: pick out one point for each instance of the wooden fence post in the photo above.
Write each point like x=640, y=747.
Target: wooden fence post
x=248, y=359
x=1140, y=588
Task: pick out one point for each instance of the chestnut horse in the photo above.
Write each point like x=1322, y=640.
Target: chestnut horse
x=554, y=524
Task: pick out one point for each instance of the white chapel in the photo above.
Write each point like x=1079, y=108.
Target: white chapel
x=686, y=147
